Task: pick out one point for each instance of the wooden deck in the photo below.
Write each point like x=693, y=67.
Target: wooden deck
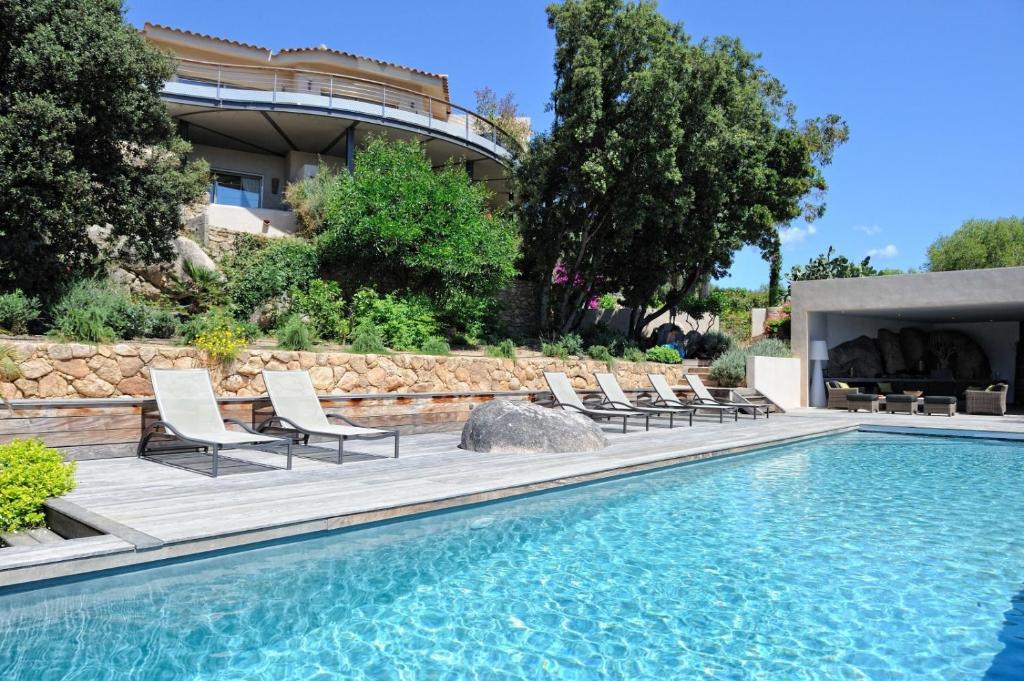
x=156, y=512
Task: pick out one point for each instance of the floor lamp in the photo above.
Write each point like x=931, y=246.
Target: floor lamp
x=818, y=355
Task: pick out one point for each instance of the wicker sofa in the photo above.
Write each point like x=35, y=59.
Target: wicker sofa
x=837, y=393
x=991, y=400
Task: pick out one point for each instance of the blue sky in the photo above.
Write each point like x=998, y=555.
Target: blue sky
x=933, y=91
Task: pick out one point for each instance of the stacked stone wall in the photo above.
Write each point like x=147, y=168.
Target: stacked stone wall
x=72, y=370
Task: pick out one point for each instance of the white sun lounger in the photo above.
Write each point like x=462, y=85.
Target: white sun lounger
x=667, y=397
x=704, y=397
x=297, y=408
x=615, y=397
x=567, y=398
x=189, y=414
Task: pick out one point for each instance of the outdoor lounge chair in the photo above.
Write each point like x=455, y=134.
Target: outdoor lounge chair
x=615, y=397
x=704, y=397
x=991, y=400
x=189, y=414
x=297, y=409
x=566, y=398
x=666, y=397
x=837, y=394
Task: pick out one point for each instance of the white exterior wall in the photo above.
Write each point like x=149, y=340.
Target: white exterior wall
x=777, y=378
x=251, y=220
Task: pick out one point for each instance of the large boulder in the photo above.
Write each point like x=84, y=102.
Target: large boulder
x=149, y=279
x=858, y=358
x=505, y=427
x=891, y=351
x=958, y=352
x=914, y=343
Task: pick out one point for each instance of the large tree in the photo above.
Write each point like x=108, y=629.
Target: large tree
x=979, y=244
x=665, y=156
x=84, y=140
x=397, y=225
x=831, y=265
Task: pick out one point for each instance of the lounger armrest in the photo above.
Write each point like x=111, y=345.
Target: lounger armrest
x=151, y=429
x=281, y=420
x=249, y=429
x=704, y=400
x=342, y=417
x=631, y=407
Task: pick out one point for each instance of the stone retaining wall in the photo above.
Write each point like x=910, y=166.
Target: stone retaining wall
x=61, y=370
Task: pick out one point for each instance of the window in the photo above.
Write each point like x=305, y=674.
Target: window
x=235, y=189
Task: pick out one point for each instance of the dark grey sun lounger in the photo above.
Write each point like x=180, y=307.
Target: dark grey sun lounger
x=566, y=398
x=667, y=397
x=615, y=397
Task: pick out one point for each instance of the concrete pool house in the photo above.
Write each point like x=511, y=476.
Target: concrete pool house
x=981, y=309
x=263, y=118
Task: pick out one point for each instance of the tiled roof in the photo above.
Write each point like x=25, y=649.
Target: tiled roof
x=183, y=31
x=298, y=50
x=342, y=53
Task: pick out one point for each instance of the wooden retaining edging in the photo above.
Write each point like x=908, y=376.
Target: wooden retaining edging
x=108, y=428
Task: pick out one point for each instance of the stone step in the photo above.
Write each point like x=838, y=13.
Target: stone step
x=45, y=536
x=18, y=539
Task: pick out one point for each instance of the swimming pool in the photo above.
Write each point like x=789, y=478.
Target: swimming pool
x=862, y=555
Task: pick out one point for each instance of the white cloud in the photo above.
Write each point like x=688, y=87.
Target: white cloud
x=794, y=235
x=870, y=230
x=888, y=251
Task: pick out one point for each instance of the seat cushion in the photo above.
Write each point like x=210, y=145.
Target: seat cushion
x=940, y=399
x=862, y=397
x=900, y=399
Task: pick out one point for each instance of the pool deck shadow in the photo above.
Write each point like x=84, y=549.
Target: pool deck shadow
x=181, y=513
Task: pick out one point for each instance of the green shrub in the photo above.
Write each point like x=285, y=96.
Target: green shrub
x=714, y=343
x=730, y=369
x=404, y=322
x=17, y=311
x=572, y=343
x=435, y=346
x=602, y=354
x=367, y=339
x=161, y=323
x=633, y=354
x=554, y=350
x=323, y=304
x=261, y=269
x=608, y=301
x=662, y=354
x=216, y=319
x=602, y=334
x=294, y=334
x=30, y=473
x=506, y=349
x=770, y=347
x=98, y=311
x=199, y=290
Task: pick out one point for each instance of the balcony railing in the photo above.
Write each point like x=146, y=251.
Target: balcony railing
x=274, y=85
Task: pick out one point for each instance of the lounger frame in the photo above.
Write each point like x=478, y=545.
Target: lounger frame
x=285, y=425
x=594, y=413
x=214, y=448
x=657, y=411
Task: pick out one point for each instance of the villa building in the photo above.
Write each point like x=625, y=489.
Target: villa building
x=263, y=119
x=938, y=332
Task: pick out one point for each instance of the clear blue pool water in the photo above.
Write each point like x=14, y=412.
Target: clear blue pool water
x=858, y=556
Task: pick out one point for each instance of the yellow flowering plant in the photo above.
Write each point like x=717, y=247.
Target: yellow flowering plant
x=222, y=344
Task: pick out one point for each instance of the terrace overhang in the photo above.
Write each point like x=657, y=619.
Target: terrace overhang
x=275, y=111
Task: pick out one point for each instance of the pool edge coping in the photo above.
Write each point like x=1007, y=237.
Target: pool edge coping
x=151, y=552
